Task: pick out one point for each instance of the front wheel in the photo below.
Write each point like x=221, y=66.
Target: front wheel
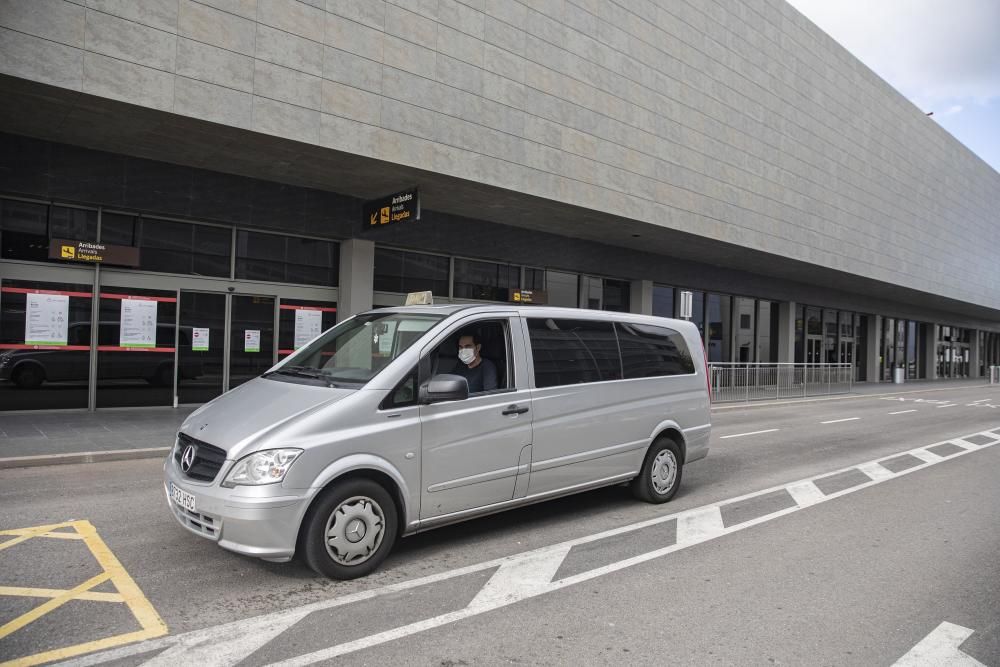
x=350, y=529
x=660, y=476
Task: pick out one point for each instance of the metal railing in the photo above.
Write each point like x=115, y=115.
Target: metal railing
x=742, y=382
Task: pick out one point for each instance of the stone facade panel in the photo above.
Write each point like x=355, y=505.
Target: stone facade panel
x=128, y=82
x=213, y=103
x=288, y=50
x=215, y=27
x=38, y=59
x=160, y=14
x=212, y=64
x=130, y=41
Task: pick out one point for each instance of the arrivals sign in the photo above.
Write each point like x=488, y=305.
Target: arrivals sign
x=528, y=296
x=393, y=209
x=93, y=253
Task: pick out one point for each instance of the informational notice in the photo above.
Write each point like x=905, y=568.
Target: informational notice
x=46, y=320
x=138, y=327
x=251, y=340
x=308, y=325
x=199, y=339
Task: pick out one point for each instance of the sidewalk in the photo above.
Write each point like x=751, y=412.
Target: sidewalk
x=52, y=437
x=75, y=437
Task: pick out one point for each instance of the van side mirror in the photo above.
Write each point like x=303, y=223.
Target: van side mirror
x=444, y=388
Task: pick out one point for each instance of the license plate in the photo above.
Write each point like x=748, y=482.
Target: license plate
x=182, y=497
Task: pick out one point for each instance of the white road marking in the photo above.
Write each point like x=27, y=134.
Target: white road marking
x=740, y=435
x=805, y=494
x=876, y=471
x=926, y=456
x=940, y=647
x=699, y=525
x=837, y=421
x=228, y=649
x=964, y=444
x=520, y=580
x=901, y=412
x=950, y=405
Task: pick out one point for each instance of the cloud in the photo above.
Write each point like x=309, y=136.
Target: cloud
x=953, y=109
x=929, y=50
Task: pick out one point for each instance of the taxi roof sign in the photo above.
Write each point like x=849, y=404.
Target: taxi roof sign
x=420, y=299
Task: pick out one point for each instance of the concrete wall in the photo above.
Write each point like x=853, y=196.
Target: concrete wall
x=736, y=120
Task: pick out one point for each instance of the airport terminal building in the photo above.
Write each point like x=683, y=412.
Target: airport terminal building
x=189, y=189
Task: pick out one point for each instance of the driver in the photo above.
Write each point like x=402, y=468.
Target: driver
x=480, y=373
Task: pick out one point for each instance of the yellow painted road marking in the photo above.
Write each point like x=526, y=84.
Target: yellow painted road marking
x=24, y=534
x=51, y=605
x=128, y=594
x=18, y=591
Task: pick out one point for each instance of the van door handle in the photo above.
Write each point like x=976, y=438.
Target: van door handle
x=514, y=410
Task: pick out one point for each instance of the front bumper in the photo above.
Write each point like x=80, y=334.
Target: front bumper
x=264, y=526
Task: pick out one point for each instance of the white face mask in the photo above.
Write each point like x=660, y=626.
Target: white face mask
x=466, y=355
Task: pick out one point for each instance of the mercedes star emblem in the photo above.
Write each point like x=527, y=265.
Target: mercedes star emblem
x=187, y=458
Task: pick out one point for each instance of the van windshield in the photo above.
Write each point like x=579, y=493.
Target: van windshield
x=353, y=352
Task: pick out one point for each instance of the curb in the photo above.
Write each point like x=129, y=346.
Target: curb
x=83, y=457
x=732, y=405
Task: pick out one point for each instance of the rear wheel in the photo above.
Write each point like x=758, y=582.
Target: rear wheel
x=350, y=529
x=660, y=476
x=29, y=376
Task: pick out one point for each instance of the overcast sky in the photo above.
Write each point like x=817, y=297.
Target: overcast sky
x=944, y=55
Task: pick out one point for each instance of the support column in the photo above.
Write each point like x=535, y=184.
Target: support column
x=357, y=277
x=640, y=297
x=873, y=346
x=974, y=354
x=786, y=332
x=930, y=350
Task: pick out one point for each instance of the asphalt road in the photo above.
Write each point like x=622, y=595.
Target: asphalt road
x=857, y=579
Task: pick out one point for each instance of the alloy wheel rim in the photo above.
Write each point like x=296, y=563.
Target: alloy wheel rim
x=354, y=531
x=664, y=471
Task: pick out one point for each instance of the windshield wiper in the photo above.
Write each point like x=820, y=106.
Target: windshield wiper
x=304, y=372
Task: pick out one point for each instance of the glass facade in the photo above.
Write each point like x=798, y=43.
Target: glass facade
x=719, y=312
x=199, y=342
x=485, y=281
x=399, y=271
x=563, y=289
x=27, y=227
x=287, y=259
x=663, y=301
x=50, y=373
x=171, y=247
x=953, y=352
x=136, y=345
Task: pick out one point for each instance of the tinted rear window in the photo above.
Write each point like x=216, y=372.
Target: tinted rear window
x=653, y=351
x=573, y=351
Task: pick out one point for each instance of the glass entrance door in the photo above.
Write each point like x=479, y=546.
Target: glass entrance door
x=814, y=349
x=251, y=337
x=201, y=346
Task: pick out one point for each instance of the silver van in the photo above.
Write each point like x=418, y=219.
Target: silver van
x=399, y=420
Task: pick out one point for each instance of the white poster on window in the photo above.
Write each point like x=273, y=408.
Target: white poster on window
x=46, y=320
x=199, y=339
x=138, y=324
x=251, y=340
x=308, y=325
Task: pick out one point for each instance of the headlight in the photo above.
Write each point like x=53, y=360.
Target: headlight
x=266, y=467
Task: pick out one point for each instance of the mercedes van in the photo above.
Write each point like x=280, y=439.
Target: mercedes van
x=399, y=420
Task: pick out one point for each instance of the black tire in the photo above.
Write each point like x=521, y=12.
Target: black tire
x=352, y=494
x=163, y=377
x=645, y=487
x=29, y=376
